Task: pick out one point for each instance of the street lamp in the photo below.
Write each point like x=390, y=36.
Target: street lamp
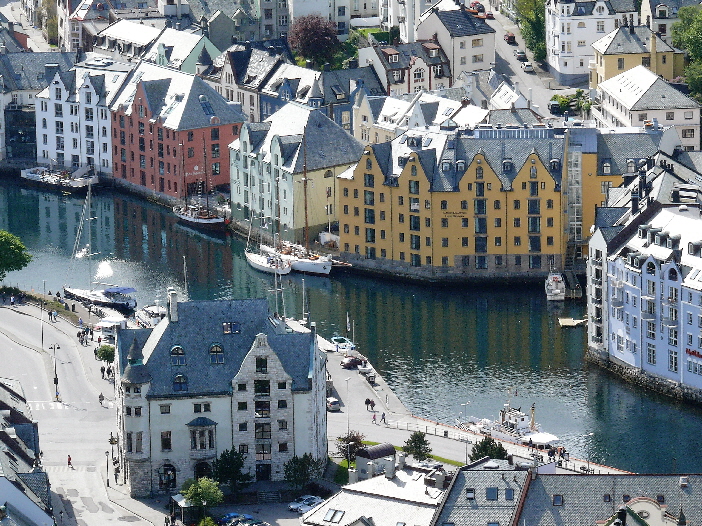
x=53, y=347
x=107, y=465
x=348, y=432
x=347, y=404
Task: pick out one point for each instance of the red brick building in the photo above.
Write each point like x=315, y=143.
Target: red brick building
x=171, y=131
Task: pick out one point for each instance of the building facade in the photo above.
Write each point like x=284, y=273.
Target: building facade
x=216, y=376
x=171, y=131
x=284, y=171
x=457, y=204
x=572, y=28
x=644, y=298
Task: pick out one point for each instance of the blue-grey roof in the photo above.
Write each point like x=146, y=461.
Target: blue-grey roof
x=341, y=82
x=618, y=148
x=32, y=71
x=407, y=53
x=607, y=215
x=201, y=421
x=460, y=23
x=376, y=105
x=584, y=500
x=623, y=41
x=458, y=509
x=199, y=326
x=519, y=116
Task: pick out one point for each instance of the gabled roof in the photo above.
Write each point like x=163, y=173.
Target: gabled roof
x=199, y=326
x=641, y=89
x=179, y=46
x=28, y=71
x=460, y=23
x=407, y=54
x=130, y=31
x=618, y=148
x=184, y=101
x=623, y=41
x=344, y=81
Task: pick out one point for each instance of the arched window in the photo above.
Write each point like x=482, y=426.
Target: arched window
x=650, y=268
x=413, y=171
x=216, y=354
x=177, y=356
x=43, y=123
x=606, y=167
x=630, y=166
x=444, y=205
x=369, y=164
x=479, y=172
x=328, y=173
x=180, y=383
x=673, y=275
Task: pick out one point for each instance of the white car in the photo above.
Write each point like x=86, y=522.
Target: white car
x=310, y=504
x=294, y=505
x=528, y=67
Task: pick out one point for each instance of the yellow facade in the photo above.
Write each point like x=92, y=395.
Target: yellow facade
x=477, y=231
x=668, y=65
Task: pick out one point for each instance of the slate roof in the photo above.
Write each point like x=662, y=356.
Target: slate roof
x=673, y=6
x=327, y=143
x=346, y=80
x=458, y=509
x=199, y=326
x=606, y=216
x=519, y=117
x=640, y=89
x=613, y=7
x=583, y=502
x=180, y=98
x=130, y=31
x=618, y=148
x=28, y=71
x=460, y=23
x=178, y=46
x=406, y=55
x=622, y=41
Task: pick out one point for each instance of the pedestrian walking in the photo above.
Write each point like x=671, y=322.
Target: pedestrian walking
x=374, y=418
x=12, y=301
x=102, y=369
x=372, y=404
x=70, y=464
x=101, y=398
x=109, y=371
x=173, y=518
x=382, y=418
x=116, y=472
x=55, y=315
x=99, y=340
x=166, y=521
x=367, y=403
x=80, y=322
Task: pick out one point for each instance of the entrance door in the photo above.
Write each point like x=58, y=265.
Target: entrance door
x=263, y=472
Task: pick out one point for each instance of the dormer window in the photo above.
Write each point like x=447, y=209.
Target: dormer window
x=445, y=166
x=507, y=165
x=606, y=167
x=555, y=165
x=180, y=383
x=460, y=166
x=630, y=166
x=216, y=354
x=662, y=13
x=177, y=356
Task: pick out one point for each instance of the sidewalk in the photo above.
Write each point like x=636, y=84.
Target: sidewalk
x=35, y=38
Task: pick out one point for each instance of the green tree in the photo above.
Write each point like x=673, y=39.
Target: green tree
x=349, y=444
x=300, y=470
x=531, y=15
x=687, y=34
x=106, y=353
x=207, y=521
x=418, y=446
x=227, y=469
x=488, y=447
x=314, y=37
x=202, y=493
x=693, y=77
x=49, y=19
x=13, y=254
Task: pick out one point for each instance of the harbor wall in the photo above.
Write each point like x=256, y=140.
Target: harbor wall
x=641, y=378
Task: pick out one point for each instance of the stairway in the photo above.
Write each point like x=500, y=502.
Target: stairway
x=268, y=496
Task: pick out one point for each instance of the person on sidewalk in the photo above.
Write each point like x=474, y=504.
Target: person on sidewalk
x=372, y=404
x=102, y=369
x=382, y=419
x=70, y=463
x=101, y=398
x=374, y=418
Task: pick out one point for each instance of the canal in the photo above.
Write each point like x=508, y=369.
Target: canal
x=447, y=352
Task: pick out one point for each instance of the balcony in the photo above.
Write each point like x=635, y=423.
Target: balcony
x=616, y=302
x=597, y=282
x=648, y=315
x=596, y=319
x=670, y=322
x=597, y=339
x=597, y=300
x=203, y=454
x=672, y=300
x=596, y=262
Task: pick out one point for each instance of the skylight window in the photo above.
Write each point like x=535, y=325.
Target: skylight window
x=333, y=516
x=206, y=106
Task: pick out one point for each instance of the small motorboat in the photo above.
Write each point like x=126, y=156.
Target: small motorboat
x=555, y=287
x=343, y=344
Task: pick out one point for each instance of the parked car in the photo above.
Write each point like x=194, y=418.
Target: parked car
x=299, y=502
x=510, y=38
x=528, y=67
x=554, y=107
x=309, y=504
x=480, y=8
x=230, y=519
x=489, y=15
x=333, y=404
x=520, y=54
x=351, y=362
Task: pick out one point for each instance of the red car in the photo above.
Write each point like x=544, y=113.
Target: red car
x=351, y=362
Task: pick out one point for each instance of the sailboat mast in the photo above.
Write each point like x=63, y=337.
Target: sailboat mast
x=304, y=189
x=277, y=210
x=182, y=169
x=204, y=162
x=90, y=236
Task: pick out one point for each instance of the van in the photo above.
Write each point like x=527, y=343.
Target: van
x=510, y=38
x=333, y=404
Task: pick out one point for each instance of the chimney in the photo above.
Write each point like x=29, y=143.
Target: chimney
x=179, y=10
x=654, y=60
x=401, y=460
x=634, y=203
x=353, y=476
x=390, y=467
x=370, y=469
x=309, y=64
x=172, y=305
x=327, y=66
x=177, y=26
x=247, y=45
x=631, y=24
x=621, y=515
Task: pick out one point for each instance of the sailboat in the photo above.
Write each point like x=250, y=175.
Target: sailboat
x=195, y=214
x=299, y=257
x=112, y=296
x=269, y=263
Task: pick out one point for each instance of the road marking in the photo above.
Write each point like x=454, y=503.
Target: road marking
x=57, y=406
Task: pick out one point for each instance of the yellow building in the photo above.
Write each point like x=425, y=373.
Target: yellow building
x=444, y=203
x=629, y=46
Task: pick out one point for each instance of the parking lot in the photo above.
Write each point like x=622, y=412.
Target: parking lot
x=275, y=514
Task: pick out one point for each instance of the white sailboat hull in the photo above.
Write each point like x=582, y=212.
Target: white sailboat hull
x=98, y=297
x=320, y=265
x=268, y=264
x=199, y=218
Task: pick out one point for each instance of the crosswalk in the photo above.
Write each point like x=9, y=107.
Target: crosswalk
x=48, y=405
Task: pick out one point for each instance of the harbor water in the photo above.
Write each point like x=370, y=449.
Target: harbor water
x=448, y=353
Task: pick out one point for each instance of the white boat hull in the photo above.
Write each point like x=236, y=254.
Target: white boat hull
x=320, y=265
x=268, y=264
x=98, y=297
x=555, y=287
x=197, y=219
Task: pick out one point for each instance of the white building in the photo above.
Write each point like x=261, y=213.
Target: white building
x=660, y=15
x=639, y=95
x=215, y=376
x=468, y=41
x=571, y=29
x=73, y=118
x=644, y=283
